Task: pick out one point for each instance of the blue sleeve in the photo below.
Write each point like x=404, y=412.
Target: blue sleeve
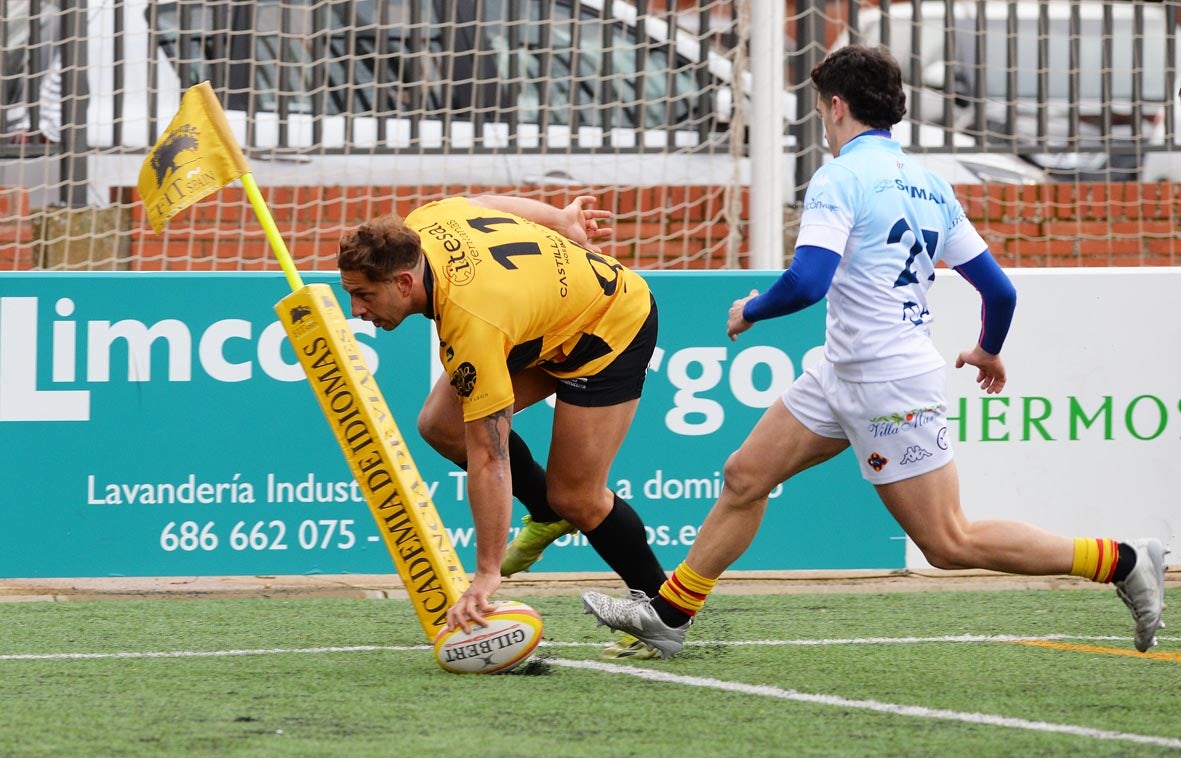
x=998, y=295
x=804, y=283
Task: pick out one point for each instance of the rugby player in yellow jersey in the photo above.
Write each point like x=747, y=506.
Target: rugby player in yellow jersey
x=526, y=306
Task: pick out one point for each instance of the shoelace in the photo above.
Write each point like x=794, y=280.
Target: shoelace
x=631, y=605
x=639, y=596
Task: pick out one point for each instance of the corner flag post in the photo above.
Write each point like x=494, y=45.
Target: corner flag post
x=200, y=139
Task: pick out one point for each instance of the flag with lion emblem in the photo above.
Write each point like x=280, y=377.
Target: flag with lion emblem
x=196, y=156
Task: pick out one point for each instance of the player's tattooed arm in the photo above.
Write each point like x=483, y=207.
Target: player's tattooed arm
x=489, y=486
x=498, y=425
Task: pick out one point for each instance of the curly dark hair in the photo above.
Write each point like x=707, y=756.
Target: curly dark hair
x=867, y=79
x=380, y=248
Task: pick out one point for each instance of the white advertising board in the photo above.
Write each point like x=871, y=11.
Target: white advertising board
x=1086, y=438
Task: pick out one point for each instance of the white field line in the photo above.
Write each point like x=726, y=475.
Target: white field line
x=895, y=709
x=717, y=684
x=959, y=638
x=210, y=653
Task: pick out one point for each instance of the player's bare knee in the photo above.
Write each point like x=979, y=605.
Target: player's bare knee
x=427, y=428
x=585, y=509
x=440, y=437
x=944, y=553
x=940, y=561
x=744, y=484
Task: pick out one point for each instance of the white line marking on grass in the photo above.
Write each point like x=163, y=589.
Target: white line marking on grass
x=961, y=638
x=663, y=676
x=867, y=705
x=208, y=653
x=917, y=640
x=958, y=638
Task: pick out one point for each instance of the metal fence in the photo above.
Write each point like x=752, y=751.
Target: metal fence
x=646, y=98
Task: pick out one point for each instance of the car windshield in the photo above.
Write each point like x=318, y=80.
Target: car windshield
x=1057, y=49
x=1129, y=36
x=557, y=63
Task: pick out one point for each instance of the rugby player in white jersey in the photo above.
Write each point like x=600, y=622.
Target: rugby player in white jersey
x=874, y=225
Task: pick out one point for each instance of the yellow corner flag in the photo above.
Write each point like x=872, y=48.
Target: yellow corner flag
x=194, y=158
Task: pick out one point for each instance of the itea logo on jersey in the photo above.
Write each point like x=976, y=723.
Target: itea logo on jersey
x=30, y=393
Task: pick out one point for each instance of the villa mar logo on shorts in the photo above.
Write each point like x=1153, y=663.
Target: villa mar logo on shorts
x=877, y=462
x=463, y=379
x=899, y=423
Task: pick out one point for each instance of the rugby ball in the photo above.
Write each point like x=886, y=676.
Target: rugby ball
x=511, y=636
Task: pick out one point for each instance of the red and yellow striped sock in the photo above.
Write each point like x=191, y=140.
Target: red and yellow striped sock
x=686, y=590
x=1095, y=559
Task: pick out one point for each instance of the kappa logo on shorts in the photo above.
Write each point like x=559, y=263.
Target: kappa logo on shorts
x=877, y=462
x=463, y=379
x=914, y=454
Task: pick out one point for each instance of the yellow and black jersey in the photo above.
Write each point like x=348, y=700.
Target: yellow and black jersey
x=508, y=294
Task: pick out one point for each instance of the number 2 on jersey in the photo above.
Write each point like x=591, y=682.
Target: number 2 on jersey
x=928, y=239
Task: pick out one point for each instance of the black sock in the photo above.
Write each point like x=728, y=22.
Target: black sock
x=1125, y=563
x=529, y=481
x=622, y=542
x=669, y=613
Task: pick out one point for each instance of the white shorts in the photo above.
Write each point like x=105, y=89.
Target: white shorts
x=898, y=429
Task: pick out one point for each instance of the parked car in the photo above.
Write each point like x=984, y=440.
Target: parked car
x=558, y=91
x=1040, y=86
x=460, y=92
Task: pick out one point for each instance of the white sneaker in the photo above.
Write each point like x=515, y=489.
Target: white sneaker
x=1143, y=590
x=634, y=615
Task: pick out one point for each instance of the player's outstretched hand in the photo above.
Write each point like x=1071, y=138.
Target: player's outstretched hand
x=473, y=603
x=991, y=376
x=736, y=324
x=582, y=222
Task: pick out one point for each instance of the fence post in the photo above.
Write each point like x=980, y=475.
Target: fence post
x=811, y=46
x=767, y=158
x=75, y=90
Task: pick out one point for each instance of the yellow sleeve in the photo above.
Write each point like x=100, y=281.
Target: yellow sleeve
x=474, y=355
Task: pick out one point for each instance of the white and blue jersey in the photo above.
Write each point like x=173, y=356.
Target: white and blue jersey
x=891, y=221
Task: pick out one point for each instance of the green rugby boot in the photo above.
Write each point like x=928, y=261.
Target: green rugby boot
x=526, y=548
x=628, y=647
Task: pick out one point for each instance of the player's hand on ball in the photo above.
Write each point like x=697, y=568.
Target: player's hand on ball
x=511, y=635
x=737, y=324
x=474, y=602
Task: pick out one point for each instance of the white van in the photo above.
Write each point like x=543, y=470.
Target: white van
x=1032, y=104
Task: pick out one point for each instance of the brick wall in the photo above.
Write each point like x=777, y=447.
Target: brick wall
x=656, y=227
x=1091, y=224
x=16, y=230
x=665, y=227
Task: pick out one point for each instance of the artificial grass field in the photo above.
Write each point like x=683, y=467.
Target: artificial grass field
x=892, y=674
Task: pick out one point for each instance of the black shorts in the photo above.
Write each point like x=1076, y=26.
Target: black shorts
x=622, y=379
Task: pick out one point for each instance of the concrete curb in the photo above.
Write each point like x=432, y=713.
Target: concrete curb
x=388, y=586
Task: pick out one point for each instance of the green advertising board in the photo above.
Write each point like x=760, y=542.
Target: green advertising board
x=159, y=425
